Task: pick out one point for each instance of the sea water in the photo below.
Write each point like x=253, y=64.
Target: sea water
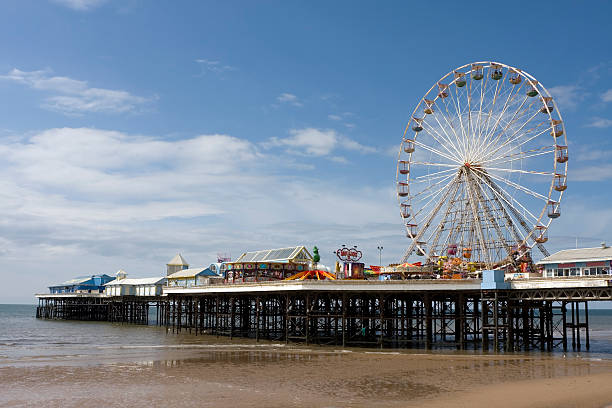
x=26, y=340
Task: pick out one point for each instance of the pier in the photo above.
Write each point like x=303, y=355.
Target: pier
x=537, y=314
x=100, y=307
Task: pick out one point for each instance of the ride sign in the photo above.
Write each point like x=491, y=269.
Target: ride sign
x=349, y=254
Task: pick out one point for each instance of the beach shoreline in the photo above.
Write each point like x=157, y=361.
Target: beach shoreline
x=273, y=376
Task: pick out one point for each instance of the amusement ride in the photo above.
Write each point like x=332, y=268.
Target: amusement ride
x=481, y=169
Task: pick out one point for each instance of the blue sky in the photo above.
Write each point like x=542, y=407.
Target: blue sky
x=132, y=130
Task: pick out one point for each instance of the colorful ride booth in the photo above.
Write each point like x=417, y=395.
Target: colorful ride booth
x=269, y=265
x=404, y=271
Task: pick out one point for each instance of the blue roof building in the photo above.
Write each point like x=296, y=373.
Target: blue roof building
x=82, y=284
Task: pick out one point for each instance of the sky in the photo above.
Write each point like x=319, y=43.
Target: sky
x=133, y=130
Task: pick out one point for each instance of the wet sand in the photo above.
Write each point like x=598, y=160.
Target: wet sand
x=279, y=376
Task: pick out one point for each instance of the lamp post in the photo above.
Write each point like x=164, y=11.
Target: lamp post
x=380, y=248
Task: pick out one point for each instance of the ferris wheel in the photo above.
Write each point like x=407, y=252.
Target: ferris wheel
x=482, y=167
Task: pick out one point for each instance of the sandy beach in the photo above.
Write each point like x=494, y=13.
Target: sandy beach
x=274, y=376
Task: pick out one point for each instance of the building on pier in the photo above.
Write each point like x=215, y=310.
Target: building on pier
x=194, y=277
x=82, y=284
x=578, y=262
x=220, y=268
x=269, y=264
x=178, y=263
x=135, y=287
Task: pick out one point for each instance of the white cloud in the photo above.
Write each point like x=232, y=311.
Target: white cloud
x=75, y=97
x=312, y=141
x=290, y=99
x=598, y=172
x=590, y=153
x=318, y=142
x=567, y=96
x=607, y=96
x=339, y=159
x=214, y=66
x=82, y=201
x=88, y=200
x=600, y=123
x=341, y=117
x=80, y=5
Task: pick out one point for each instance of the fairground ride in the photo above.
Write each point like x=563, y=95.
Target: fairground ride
x=482, y=168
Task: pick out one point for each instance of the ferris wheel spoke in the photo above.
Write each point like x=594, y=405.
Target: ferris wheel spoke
x=522, y=143
x=521, y=110
x=474, y=204
x=506, y=170
x=440, y=228
x=427, y=182
x=446, y=119
x=430, y=217
x=457, y=106
x=510, y=138
x=520, y=155
x=427, y=176
x=469, y=110
x=485, y=204
x=427, y=200
x=502, y=191
x=483, y=116
x=442, y=180
x=448, y=137
x=466, y=227
x=517, y=186
x=514, y=147
x=511, y=95
x=521, y=220
x=515, y=231
x=431, y=131
x=486, y=125
x=439, y=153
x=435, y=164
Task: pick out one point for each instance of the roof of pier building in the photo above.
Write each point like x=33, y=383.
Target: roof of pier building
x=178, y=260
x=192, y=273
x=295, y=254
x=137, y=281
x=92, y=280
x=600, y=253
